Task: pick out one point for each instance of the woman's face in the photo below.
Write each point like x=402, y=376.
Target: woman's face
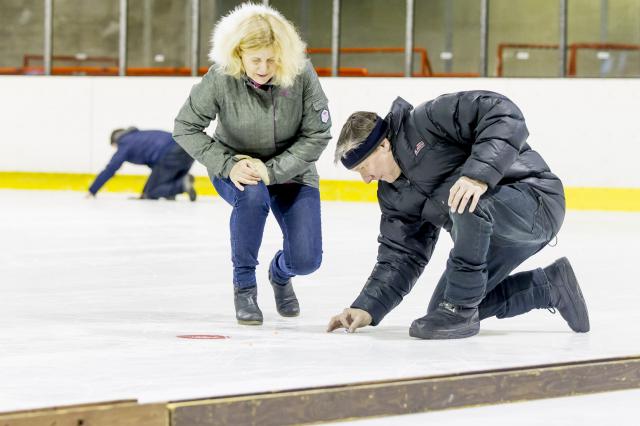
x=260, y=64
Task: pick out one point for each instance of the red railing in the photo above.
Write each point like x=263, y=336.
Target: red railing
x=574, y=47
x=572, y=66
x=424, y=64
x=108, y=66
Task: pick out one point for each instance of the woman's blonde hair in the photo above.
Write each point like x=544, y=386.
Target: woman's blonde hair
x=251, y=27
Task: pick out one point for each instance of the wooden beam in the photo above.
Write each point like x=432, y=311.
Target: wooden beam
x=117, y=413
x=358, y=400
x=411, y=395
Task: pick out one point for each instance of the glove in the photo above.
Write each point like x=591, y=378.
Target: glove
x=258, y=166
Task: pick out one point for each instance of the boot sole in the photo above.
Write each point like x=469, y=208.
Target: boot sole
x=446, y=334
x=249, y=322
x=297, y=314
x=579, y=306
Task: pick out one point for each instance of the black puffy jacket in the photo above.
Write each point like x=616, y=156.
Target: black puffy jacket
x=478, y=134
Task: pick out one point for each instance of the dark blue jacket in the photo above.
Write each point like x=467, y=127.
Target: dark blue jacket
x=478, y=134
x=144, y=147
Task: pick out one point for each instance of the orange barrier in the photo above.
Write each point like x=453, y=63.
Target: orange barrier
x=106, y=71
x=573, y=52
x=108, y=66
x=503, y=46
x=10, y=71
x=425, y=66
x=75, y=60
x=574, y=47
x=343, y=72
x=73, y=70
x=167, y=71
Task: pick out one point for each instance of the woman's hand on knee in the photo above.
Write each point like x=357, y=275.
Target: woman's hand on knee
x=261, y=169
x=244, y=174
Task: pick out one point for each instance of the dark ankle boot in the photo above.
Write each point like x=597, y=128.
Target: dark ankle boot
x=447, y=321
x=247, y=310
x=286, y=300
x=566, y=296
x=187, y=185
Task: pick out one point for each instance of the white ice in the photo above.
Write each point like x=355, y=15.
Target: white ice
x=94, y=292
x=601, y=409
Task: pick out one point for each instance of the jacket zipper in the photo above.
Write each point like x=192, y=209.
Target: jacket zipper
x=273, y=105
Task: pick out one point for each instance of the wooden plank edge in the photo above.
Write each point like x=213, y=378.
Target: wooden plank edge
x=353, y=401
x=115, y=413
x=413, y=395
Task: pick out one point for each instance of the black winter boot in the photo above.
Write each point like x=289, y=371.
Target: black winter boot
x=447, y=321
x=566, y=296
x=286, y=300
x=247, y=310
x=187, y=184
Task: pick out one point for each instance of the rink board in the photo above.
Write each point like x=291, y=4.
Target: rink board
x=356, y=400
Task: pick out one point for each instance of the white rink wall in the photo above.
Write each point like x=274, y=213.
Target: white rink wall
x=588, y=130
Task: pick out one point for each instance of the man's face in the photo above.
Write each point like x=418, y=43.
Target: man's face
x=379, y=165
x=260, y=65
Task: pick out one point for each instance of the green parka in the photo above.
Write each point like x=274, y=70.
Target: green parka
x=287, y=128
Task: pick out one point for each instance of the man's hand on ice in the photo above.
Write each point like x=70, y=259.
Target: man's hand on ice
x=350, y=319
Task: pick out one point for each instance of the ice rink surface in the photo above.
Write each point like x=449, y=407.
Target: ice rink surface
x=93, y=294
x=602, y=409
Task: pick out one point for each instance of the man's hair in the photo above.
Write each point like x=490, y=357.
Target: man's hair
x=252, y=27
x=115, y=135
x=118, y=133
x=358, y=126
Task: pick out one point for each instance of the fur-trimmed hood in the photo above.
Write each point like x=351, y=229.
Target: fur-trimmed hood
x=228, y=25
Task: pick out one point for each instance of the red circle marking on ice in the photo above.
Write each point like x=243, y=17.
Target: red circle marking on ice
x=203, y=336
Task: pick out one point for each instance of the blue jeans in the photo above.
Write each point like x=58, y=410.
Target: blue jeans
x=167, y=175
x=297, y=210
x=510, y=224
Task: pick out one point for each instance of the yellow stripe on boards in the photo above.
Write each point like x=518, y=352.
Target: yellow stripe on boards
x=613, y=199
x=53, y=181
x=81, y=182
x=348, y=190
x=593, y=198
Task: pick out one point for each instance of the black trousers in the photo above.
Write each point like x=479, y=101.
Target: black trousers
x=510, y=224
x=167, y=175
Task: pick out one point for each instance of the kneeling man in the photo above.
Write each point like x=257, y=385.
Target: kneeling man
x=459, y=162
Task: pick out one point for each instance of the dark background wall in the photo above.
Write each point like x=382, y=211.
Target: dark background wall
x=159, y=32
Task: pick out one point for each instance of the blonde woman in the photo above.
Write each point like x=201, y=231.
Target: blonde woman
x=272, y=125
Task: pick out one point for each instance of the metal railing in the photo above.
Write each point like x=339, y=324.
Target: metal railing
x=195, y=29
x=567, y=64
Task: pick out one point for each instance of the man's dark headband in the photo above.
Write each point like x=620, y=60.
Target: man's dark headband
x=366, y=148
